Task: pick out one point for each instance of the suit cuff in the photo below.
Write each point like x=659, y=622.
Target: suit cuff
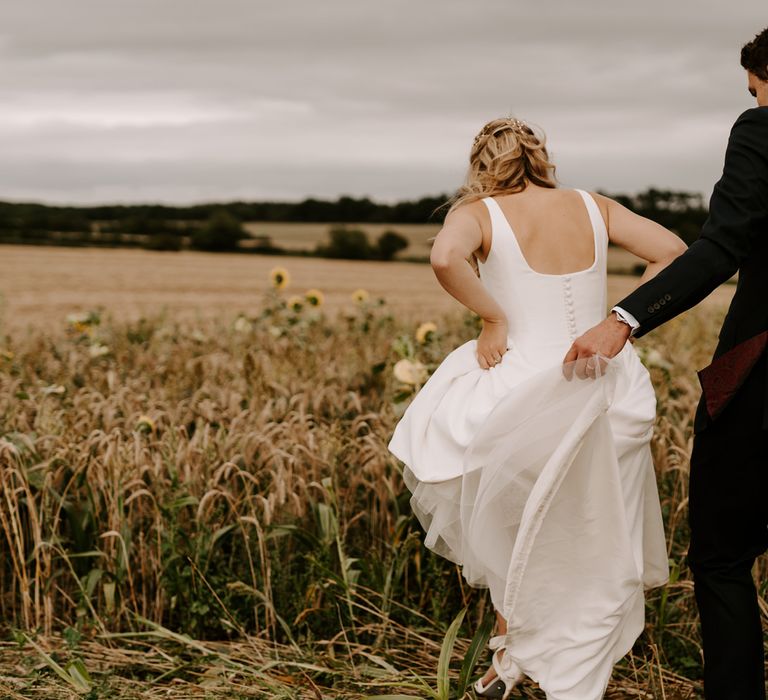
x=628, y=318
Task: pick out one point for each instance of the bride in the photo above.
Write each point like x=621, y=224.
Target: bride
x=539, y=482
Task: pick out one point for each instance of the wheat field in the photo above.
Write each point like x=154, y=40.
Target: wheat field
x=40, y=285
x=197, y=499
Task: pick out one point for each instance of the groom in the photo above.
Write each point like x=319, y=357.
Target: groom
x=728, y=500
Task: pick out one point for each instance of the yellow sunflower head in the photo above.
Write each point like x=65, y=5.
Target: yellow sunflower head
x=145, y=425
x=279, y=277
x=360, y=296
x=295, y=303
x=314, y=297
x=426, y=332
x=80, y=323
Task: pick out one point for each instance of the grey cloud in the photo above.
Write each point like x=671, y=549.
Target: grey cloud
x=177, y=100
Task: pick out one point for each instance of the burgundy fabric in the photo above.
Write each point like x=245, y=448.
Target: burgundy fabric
x=721, y=379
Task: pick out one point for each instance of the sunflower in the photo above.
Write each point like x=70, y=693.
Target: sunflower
x=360, y=296
x=83, y=322
x=425, y=332
x=98, y=350
x=314, y=297
x=279, y=277
x=295, y=303
x=410, y=371
x=82, y=319
x=145, y=424
x=242, y=324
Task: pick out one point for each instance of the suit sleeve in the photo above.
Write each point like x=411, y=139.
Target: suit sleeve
x=738, y=219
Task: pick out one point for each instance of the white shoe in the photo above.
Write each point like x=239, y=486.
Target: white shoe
x=508, y=673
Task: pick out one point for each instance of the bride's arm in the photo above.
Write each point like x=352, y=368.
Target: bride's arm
x=460, y=237
x=648, y=240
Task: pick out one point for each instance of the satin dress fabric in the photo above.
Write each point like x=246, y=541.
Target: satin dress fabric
x=542, y=488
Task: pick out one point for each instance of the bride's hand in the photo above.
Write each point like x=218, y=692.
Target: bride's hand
x=492, y=342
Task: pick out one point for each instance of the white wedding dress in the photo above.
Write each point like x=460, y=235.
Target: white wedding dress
x=543, y=489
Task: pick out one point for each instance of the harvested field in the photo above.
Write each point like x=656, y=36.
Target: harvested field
x=41, y=285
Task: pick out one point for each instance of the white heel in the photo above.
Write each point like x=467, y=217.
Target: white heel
x=508, y=673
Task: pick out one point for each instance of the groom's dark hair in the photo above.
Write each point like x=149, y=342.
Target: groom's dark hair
x=754, y=55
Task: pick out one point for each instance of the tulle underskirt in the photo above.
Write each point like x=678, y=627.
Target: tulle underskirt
x=556, y=512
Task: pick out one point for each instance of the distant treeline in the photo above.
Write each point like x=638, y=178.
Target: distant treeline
x=219, y=226
x=144, y=218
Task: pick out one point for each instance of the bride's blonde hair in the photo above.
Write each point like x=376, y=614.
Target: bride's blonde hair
x=505, y=156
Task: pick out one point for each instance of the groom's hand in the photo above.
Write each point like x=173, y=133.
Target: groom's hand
x=607, y=339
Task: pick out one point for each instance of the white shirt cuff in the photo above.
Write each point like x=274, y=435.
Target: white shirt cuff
x=627, y=317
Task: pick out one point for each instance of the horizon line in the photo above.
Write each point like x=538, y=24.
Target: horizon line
x=224, y=202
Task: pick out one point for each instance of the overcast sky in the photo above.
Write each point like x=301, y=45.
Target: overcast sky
x=183, y=101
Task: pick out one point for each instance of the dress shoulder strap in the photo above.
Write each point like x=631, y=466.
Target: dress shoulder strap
x=497, y=216
x=499, y=223
x=599, y=229
x=595, y=217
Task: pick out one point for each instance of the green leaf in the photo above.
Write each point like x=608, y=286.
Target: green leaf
x=79, y=673
x=379, y=661
x=91, y=579
x=304, y=536
x=79, y=680
x=476, y=648
x=91, y=553
x=443, y=663
x=183, y=502
x=327, y=522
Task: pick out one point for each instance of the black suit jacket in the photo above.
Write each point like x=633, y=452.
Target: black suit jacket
x=734, y=238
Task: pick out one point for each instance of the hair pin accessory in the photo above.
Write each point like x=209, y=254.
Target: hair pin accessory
x=511, y=123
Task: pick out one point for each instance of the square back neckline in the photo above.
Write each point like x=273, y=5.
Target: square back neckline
x=503, y=216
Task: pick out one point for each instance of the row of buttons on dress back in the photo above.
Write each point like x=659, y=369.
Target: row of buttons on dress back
x=570, y=313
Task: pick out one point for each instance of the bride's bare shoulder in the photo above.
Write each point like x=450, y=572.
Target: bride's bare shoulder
x=467, y=229
x=468, y=213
